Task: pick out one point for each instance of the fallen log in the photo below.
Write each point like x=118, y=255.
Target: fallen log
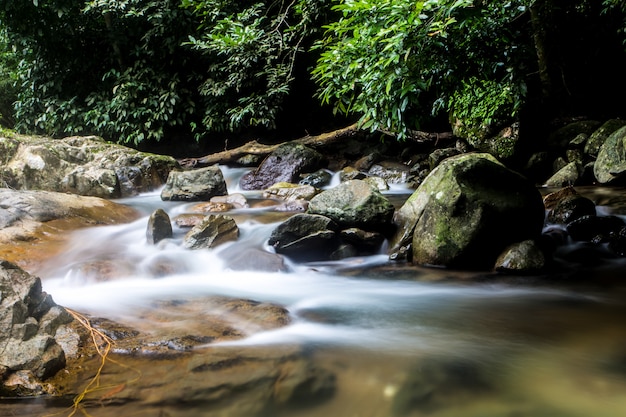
x=317, y=141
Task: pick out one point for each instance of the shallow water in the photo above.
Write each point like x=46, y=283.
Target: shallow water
x=382, y=339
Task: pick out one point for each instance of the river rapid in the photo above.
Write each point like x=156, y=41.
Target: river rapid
x=385, y=339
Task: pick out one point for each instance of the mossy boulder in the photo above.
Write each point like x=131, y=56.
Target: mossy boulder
x=466, y=212
x=610, y=166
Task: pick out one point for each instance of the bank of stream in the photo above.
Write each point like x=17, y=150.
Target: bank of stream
x=367, y=337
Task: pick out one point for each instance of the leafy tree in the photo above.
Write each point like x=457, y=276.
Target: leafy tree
x=397, y=63
x=8, y=80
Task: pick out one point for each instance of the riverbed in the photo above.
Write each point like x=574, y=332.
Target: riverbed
x=367, y=337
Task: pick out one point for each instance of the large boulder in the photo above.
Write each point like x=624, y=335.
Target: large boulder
x=29, y=319
x=285, y=164
x=195, y=185
x=466, y=212
x=610, y=166
x=597, y=138
x=354, y=203
x=80, y=165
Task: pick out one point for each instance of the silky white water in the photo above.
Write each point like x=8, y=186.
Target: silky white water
x=548, y=346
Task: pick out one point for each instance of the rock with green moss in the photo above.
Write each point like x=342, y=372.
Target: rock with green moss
x=610, y=166
x=466, y=212
x=598, y=137
x=86, y=166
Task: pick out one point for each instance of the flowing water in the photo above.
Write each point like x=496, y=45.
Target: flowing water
x=373, y=339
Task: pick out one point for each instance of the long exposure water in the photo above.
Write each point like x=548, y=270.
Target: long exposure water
x=379, y=339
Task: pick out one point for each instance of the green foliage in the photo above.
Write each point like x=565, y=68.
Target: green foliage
x=252, y=47
x=395, y=63
x=8, y=80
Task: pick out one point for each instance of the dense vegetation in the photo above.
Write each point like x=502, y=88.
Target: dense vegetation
x=138, y=71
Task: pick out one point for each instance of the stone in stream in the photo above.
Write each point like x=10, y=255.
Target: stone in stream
x=521, y=258
x=211, y=232
x=194, y=185
x=159, y=227
x=305, y=236
x=286, y=164
x=466, y=212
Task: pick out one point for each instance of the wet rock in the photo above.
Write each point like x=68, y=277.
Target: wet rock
x=305, y=236
x=560, y=138
x=551, y=200
x=213, y=231
x=617, y=242
x=354, y=203
x=285, y=164
x=188, y=219
x=195, y=185
x=343, y=251
x=159, y=227
x=296, y=206
x=571, y=207
x=438, y=155
x=594, y=228
x=466, y=212
x=81, y=165
x=318, y=179
x=33, y=224
x=290, y=192
x=365, y=163
x=351, y=173
x=610, y=165
x=236, y=200
x=377, y=182
x=29, y=319
x=522, y=257
x=212, y=207
x=23, y=383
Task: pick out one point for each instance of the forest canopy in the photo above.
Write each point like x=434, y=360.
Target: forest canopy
x=136, y=71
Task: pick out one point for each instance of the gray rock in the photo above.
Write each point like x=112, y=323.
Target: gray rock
x=392, y=172
x=195, y=185
x=611, y=163
x=466, y=212
x=317, y=179
x=159, y=227
x=80, y=165
x=354, y=203
x=29, y=320
x=285, y=164
x=213, y=231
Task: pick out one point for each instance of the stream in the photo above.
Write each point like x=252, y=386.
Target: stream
x=373, y=338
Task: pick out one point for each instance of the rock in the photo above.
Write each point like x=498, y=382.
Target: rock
x=318, y=179
x=377, y=182
x=466, y=212
x=354, y=203
x=568, y=175
x=560, y=138
x=598, y=137
x=285, y=164
x=617, y=242
x=305, y=236
x=551, y=200
x=29, y=319
x=522, y=257
x=611, y=163
x=594, y=228
x=571, y=207
x=159, y=227
x=253, y=259
x=391, y=172
x=502, y=145
x=298, y=206
x=188, y=219
x=211, y=207
x=290, y=192
x=438, y=155
x=362, y=238
x=213, y=231
x=33, y=223
x=195, y=185
x=350, y=173
x=236, y=200
x=81, y=165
